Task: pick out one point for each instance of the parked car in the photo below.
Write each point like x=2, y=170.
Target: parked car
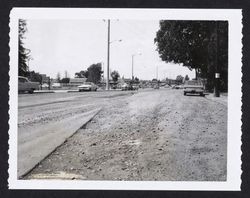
x=24, y=85
x=87, y=86
x=194, y=87
x=177, y=87
x=45, y=85
x=135, y=87
x=56, y=85
x=124, y=87
x=156, y=86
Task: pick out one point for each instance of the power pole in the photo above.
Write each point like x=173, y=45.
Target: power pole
x=107, y=84
x=132, y=67
x=157, y=72
x=133, y=64
x=217, y=74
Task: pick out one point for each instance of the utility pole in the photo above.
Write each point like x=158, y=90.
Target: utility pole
x=217, y=74
x=157, y=72
x=132, y=67
x=107, y=84
x=133, y=64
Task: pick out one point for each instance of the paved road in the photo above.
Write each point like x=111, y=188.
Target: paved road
x=45, y=121
x=146, y=135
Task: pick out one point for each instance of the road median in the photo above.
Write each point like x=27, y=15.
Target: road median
x=46, y=138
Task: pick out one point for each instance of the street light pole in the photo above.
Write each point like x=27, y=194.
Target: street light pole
x=107, y=84
x=133, y=64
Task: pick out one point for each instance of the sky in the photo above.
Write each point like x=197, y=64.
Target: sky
x=73, y=45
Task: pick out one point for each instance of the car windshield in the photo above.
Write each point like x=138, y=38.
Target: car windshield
x=193, y=82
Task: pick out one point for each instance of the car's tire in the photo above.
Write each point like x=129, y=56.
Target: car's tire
x=31, y=91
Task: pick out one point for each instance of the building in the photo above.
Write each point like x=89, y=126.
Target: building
x=74, y=82
x=45, y=79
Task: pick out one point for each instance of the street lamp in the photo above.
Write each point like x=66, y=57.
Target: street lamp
x=133, y=64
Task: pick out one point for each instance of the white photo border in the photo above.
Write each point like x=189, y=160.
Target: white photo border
x=234, y=18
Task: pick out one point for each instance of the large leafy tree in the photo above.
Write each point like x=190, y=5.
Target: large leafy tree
x=94, y=73
x=115, y=75
x=199, y=45
x=34, y=77
x=23, y=53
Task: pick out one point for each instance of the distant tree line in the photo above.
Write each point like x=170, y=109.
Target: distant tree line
x=198, y=45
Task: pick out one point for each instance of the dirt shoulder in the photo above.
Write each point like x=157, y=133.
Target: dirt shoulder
x=152, y=135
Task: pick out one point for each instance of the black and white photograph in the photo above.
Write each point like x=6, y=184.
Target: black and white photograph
x=125, y=99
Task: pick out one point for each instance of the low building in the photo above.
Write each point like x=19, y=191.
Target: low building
x=74, y=82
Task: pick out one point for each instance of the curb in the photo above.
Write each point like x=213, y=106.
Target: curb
x=26, y=172
x=41, y=92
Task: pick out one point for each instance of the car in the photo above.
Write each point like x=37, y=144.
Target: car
x=24, y=85
x=177, y=87
x=125, y=87
x=135, y=87
x=156, y=86
x=194, y=87
x=87, y=86
x=56, y=85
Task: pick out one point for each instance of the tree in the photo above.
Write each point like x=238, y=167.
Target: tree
x=35, y=77
x=94, y=73
x=179, y=79
x=186, y=78
x=65, y=80
x=58, y=77
x=115, y=75
x=192, y=43
x=82, y=74
x=23, y=53
x=136, y=80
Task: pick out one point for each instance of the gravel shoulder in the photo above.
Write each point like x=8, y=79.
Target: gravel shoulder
x=156, y=135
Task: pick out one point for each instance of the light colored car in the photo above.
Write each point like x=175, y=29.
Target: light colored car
x=56, y=85
x=156, y=86
x=87, y=86
x=125, y=87
x=45, y=85
x=194, y=87
x=24, y=85
x=177, y=87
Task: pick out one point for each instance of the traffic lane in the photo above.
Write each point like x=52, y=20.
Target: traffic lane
x=43, y=127
x=29, y=100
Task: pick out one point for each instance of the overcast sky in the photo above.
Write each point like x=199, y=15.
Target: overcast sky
x=73, y=45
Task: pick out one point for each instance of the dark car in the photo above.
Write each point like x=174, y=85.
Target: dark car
x=24, y=85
